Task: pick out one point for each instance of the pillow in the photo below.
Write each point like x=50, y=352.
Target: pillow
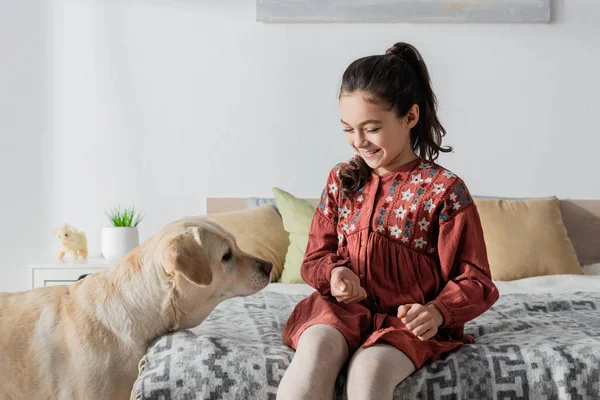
x=297, y=216
x=582, y=220
x=259, y=232
x=253, y=202
x=592, y=269
x=526, y=238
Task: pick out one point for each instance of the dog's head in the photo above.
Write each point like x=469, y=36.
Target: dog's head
x=204, y=262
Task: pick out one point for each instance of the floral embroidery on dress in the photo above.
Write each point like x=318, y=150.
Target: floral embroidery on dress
x=429, y=206
x=400, y=212
x=463, y=194
x=449, y=174
x=391, y=192
x=420, y=242
x=344, y=212
x=411, y=205
x=407, y=225
x=323, y=201
x=456, y=200
x=416, y=179
x=443, y=214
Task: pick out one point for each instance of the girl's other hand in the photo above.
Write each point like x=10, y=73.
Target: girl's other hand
x=422, y=321
x=345, y=286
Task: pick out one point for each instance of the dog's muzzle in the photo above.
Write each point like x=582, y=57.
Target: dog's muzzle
x=267, y=267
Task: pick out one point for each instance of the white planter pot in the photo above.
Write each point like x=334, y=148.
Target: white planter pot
x=117, y=242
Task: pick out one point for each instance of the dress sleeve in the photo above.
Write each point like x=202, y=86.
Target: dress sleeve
x=469, y=290
x=322, y=254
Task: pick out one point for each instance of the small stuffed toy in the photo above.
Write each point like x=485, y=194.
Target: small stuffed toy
x=71, y=241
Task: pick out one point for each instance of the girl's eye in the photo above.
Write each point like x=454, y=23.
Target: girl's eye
x=373, y=130
x=348, y=130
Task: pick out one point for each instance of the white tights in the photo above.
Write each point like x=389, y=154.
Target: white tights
x=373, y=373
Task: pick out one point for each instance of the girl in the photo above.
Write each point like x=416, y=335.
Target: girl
x=396, y=249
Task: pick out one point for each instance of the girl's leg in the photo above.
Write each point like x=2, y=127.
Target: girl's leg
x=374, y=372
x=321, y=353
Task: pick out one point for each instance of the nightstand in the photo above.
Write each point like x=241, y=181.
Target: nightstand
x=64, y=272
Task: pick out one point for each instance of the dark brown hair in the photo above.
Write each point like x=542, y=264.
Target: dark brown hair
x=397, y=79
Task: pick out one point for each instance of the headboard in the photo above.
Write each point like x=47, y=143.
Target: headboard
x=581, y=218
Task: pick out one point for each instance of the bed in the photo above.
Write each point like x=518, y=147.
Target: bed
x=541, y=340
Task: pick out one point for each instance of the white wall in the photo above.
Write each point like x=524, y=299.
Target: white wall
x=165, y=102
x=22, y=97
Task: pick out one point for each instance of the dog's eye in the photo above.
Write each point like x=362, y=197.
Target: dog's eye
x=66, y=235
x=227, y=256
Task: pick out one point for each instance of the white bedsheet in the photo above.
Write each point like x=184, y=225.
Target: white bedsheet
x=589, y=282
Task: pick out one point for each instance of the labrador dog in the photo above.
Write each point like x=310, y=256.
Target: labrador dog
x=84, y=341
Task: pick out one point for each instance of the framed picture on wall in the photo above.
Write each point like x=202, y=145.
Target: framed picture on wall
x=456, y=11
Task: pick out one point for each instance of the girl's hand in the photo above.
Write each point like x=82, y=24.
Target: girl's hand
x=422, y=321
x=345, y=286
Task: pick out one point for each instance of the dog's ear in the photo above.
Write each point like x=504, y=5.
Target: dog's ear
x=186, y=255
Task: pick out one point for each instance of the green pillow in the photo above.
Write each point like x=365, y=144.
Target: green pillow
x=297, y=216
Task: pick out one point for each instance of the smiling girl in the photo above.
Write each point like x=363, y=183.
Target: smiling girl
x=396, y=250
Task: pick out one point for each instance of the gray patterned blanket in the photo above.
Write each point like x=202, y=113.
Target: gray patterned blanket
x=527, y=347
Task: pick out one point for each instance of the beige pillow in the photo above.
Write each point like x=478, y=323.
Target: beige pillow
x=526, y=238
x=259, y=232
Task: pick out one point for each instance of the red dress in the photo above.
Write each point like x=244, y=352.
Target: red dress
x=412, y=235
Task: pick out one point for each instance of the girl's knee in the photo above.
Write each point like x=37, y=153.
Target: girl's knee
x=374, y=372
x=324, y=339
x=320, y=355
x=379, y=364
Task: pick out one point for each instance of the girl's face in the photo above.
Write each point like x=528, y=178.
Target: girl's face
x=377, y=134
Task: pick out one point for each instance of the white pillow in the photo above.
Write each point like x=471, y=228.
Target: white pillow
x=591, y=269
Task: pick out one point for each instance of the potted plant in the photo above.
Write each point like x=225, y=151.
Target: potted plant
x=122, y=237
